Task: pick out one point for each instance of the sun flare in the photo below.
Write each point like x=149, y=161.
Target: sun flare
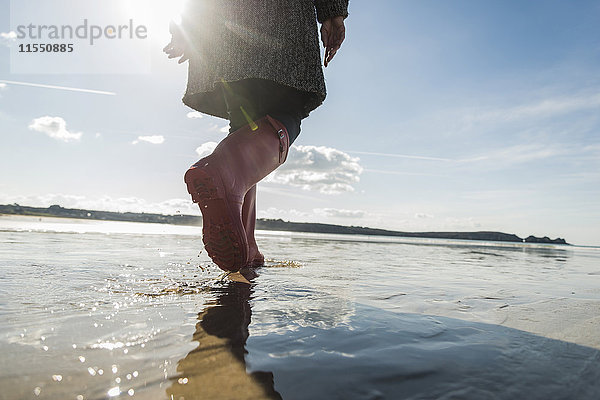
x=155, y=13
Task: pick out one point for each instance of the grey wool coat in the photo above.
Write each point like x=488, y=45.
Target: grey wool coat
x=277, y=40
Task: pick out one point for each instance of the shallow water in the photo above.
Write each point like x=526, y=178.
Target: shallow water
x=93, y=309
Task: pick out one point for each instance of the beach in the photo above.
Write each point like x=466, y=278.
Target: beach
x=100, y=309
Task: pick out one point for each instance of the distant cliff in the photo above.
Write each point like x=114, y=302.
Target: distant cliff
x=58, y=211
x=266, y=224
x=280, y=225
x=545, y=239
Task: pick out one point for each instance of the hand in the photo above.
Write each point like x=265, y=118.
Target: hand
x=177, y=46
x=333, y=33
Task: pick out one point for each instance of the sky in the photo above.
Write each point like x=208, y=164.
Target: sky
x=440, y=116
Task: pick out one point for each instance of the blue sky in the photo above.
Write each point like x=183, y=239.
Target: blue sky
x=441, y=115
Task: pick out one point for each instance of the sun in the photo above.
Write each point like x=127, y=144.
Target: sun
x=156, y=14
x=154, y=9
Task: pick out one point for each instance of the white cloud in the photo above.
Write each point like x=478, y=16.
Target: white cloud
x=54, y=127
x=206, y=148
x=6, y=38
x=549, y=107
x=195, y=115
x=404, y=173
x=316, y=215
x=2, y=85
x=154, y=139
x=452, y=223
x=278, y=190
x=502, y=196
x=423, y=216
x=287, y=214
x=322, y=169
x=395, y=155
x=339, y=213
x=593, y=148
x=218, y=127
x=12, y=35
x=521, y=153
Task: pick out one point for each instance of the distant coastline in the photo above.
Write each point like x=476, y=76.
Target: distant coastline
x=266, y=224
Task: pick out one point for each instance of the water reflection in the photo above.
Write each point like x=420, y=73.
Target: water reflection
x=389, y=355
x=559, y=254
x=216, y=369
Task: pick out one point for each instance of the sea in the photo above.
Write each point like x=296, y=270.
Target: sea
x=121, y=310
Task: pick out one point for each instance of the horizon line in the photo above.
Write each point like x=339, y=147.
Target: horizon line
x=397, y=233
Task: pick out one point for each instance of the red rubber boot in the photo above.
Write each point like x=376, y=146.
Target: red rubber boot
x=220, y=181
x=255, y=258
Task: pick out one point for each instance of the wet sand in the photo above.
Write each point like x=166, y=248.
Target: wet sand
x=112, y=313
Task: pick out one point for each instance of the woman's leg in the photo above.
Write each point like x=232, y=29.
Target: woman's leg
x=240, y=107
x=224, y=183
x=220, y=182
x=248, y=101
x=255, y=257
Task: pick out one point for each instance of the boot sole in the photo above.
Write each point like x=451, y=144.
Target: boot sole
x=224, y=242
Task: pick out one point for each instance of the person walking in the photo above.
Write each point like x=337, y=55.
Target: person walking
x=258, y=65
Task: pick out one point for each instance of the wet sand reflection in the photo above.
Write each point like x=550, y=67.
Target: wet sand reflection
x=216, y=369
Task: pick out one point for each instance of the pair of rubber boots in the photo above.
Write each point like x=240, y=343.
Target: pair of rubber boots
x=224, y=186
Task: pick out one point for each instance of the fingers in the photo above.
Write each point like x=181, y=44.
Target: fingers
x=325, y=34
x=331, y=50
x=183, y=59
x=170, y=48
x=329, y=54
x=340, y=36
x=177, y=45
x=332, y=35
x=174, y=53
